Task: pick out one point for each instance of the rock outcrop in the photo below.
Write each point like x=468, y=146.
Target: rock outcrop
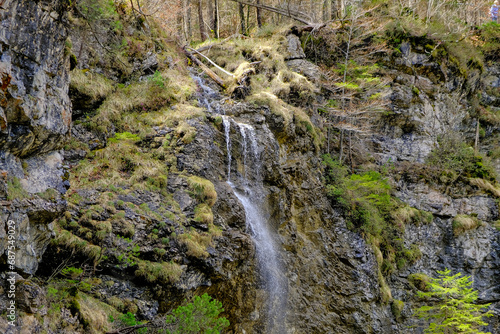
x=35, y=119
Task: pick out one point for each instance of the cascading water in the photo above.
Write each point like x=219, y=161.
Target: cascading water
x=248, y=188
x=207, y=96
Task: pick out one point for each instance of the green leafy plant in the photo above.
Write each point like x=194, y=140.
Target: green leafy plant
x=158, y=79
x=72, y=272
x=15, y=190
x=200, y=316
x=368, y=208
x=456, y=310
x=128, y=319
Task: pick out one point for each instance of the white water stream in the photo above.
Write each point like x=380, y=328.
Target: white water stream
x=248, y=187
x=250, y=192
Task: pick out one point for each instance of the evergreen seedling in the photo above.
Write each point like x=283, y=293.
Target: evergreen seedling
x=456, y=310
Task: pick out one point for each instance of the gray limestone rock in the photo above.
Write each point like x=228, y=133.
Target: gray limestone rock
x=35, y=119
x=294, y=48
x=306, y=68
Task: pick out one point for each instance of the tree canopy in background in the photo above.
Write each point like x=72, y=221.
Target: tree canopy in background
x=201, y=19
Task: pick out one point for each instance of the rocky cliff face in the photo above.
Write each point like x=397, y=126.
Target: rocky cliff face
x=433, y=100
x=35, y=118
x=152, y=219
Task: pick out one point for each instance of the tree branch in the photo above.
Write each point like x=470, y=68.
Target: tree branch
x=211, y=62
x=209, y=72
x=285, y=12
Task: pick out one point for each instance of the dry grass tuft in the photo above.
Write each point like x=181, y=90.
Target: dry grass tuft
x=169, y=117
x=404, y=215
x=203, y=189
x=485, y=185
x=120, y=163
x=203, y=213
x=68, y=240
x=407, y=214
x=462, y=223
x=156, y=272
x=385, y=290
x=90, y=84
x=196, y=243
x=96, y=313
x=186, y=132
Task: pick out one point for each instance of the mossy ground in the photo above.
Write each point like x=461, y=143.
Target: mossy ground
x=271, y=83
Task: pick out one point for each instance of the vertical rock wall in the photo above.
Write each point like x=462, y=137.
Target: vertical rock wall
x=35, y=118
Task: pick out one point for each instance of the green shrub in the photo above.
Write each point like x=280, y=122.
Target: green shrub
x=124, y=136
x=128, y=320
x=158, y=80
x=489, y=34
x=200, y=316
x=452, y=305
x=397, y=308
x=454, y=156
x=368, y=208
x=72, y=272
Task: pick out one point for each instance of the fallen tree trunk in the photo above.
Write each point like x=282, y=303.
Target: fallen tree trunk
x=211, y=62
x=128, y=330
x=285, y=12
x=208, y=71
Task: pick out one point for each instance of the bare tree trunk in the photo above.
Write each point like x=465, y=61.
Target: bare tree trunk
x=203, y=30
x=476, y=142
x=181, y=32
x=312, y=9
x=296, y=15
x=188, y=20
x=259, y=18
x=334, y=9
x=326, y=12
x=205, y=68
x=341, y=144
x=216, y=18
x=248, y=21
x=210, y=10
x=242, y=18
x=328, y=140
x=350, y=152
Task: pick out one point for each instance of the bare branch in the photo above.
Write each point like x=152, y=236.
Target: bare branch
x=297, y=16
x=211, y=62
x=209, y=72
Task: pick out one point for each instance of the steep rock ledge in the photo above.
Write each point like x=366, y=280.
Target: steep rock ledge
x=35, y=119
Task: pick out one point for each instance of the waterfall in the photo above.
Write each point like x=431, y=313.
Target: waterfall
x=249, y=189
x=250, y=192
x=227, y=128
x=206, y=95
